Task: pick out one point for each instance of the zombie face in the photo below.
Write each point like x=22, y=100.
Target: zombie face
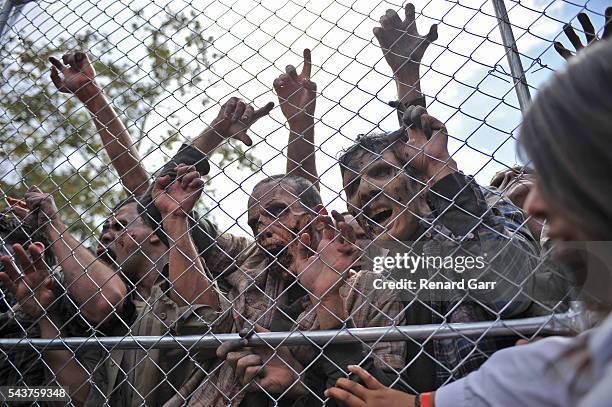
x=277, y=215
x=386, y=201
x=127, y=241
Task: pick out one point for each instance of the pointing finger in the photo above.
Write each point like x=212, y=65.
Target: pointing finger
x=353, y=387
x=378, y=33
x=24, y=261
x=36, y=251
x=307, y=68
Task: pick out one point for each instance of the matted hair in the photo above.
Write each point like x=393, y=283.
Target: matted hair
x=304, y=190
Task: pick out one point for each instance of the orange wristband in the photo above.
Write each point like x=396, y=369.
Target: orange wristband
x=426, y=400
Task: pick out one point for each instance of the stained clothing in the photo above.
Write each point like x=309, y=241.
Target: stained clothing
x=469, y=220
x=459, y=214
x=552, y=372
x=258, y=291
x=151, y=377
x=462, y=223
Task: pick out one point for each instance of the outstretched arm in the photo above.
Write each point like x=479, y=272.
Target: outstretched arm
x=79, y=78
x=233, y=121
x=403, y=48
x=297, y=98
x=95, y=286
x=175, y=200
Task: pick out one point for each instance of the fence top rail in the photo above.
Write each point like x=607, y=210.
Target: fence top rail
x=559, y=324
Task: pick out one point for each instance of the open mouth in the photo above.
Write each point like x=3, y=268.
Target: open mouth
x=381, y=216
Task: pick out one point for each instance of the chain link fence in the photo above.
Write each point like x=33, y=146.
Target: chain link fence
x=158, y=287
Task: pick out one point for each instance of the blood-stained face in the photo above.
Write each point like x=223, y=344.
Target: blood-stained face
x=277, y=216
x=384, y=199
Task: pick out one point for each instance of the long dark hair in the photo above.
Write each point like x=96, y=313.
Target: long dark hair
x=567, y=135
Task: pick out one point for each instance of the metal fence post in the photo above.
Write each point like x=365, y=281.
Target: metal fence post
x=7, y=8
x=13, y=7
x=512, y=53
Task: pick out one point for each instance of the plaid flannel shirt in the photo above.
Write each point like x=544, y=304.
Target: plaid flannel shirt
x=460, y=217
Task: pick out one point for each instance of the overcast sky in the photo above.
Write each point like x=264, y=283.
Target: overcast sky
x=258, y=38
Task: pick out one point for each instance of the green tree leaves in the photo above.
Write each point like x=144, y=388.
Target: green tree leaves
x=48, y=139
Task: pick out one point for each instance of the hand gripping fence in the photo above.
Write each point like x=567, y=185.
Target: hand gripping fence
x=152, y=256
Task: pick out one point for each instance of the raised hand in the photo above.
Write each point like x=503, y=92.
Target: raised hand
x=401, y=43
x=77, y=75
x=43, y=211
x=589, y=33
x=17, y=207
x=427, y=148
x=297, y=93
x=515, y=184
x=34, y=289
x=178, y=197
x=235, y=118
x=322, y=273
